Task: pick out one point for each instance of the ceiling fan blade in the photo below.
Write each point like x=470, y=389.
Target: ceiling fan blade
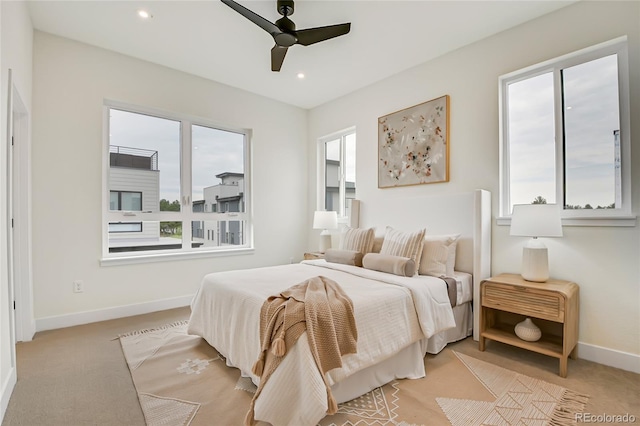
x=277, y=57
x=314, y=35
x=266, y=25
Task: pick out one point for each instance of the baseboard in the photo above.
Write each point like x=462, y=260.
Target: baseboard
x=611, y=357
x=79, y=318
x=7, y=390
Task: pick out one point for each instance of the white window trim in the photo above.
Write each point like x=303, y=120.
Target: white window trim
x=320, y=203
x=120, y=258
x=597, y=217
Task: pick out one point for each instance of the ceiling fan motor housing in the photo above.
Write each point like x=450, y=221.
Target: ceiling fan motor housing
x=285, y=7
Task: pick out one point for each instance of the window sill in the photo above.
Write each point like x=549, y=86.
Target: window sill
x=615, y=221
x=163, y=257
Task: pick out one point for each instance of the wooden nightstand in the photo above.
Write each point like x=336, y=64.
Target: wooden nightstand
x=313, y=255
x=553, y=305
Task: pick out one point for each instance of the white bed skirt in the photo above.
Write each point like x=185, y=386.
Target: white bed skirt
x=408, y=363
x=463, y=315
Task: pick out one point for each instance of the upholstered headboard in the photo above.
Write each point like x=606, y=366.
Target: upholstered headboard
x=468, y=214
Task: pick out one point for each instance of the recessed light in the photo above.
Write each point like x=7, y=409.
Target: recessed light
x=300, y=75
x=144, y=14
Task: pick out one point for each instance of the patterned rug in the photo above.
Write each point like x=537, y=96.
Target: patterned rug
x=181, y=380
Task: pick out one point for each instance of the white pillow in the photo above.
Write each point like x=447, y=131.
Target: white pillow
x=439, y=255
x=403, y=244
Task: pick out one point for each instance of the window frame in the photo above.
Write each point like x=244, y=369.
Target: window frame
x=322, y=143
x=186, y=214
x=622, y=216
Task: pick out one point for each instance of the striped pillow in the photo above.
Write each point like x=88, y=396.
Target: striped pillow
x=404, y=244
x=439, y=255
x=358, y=239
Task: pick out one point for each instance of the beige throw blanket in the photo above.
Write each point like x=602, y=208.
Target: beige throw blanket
x=317, y=305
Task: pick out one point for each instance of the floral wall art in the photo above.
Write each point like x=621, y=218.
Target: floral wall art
x=413, y=145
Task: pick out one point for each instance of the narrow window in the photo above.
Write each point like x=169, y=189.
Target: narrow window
x=339, y=172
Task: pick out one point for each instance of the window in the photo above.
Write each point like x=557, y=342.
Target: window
x=338, y=172
x=125, y=200
x=175, y=185
x=125, y=227
x=565, y=134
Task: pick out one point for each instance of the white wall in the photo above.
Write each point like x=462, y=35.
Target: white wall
x=70, y=82
x=16, y=38
x=602, y=260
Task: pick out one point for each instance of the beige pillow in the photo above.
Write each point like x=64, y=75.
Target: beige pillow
x=377, y=243
x=397, y=265
x=403, y=244
x=347, y=257
x=439, y=255
x=358, y=239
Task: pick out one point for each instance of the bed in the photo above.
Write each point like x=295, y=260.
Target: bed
x=399, y=318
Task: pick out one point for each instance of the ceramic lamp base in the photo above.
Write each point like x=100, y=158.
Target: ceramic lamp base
x=535, y=262
x=325, y=241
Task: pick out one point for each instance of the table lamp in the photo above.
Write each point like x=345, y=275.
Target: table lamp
x=325, y=220
x=536, y=220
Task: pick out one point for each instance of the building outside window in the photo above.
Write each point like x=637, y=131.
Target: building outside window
x=565, y=134
x=168, y=177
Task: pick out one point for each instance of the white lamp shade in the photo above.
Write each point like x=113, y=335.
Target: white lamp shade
x=536, y=220
x=325, y=220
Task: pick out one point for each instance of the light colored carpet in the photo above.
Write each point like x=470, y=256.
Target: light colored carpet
x=77, y=376
x=181, y=380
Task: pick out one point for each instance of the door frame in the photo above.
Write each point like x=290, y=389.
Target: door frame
x=18, y=210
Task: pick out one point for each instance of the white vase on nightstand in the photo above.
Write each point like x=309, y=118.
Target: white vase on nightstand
x=527, y=330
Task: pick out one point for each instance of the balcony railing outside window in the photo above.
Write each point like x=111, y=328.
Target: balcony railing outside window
x=133, y=158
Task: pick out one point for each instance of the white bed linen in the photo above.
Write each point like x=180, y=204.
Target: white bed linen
x=464, y=328
x=226, y=309
x=409, y=363
x=465, y=287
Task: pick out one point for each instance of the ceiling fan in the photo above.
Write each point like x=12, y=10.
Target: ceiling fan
x=284, y=31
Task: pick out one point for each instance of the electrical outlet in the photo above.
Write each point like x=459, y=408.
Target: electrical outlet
x=78, y=286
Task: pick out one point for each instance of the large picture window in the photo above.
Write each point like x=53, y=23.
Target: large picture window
x=565, y=134
x=173, y=185
x=338, y=170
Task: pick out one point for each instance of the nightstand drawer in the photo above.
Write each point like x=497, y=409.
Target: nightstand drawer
x=524, y=301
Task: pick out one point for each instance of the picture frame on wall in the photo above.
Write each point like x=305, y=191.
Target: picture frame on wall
x=413, y=145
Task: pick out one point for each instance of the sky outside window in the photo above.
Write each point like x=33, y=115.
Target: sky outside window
x=591, y=116
x=532, y=140
x=214, y=151
x=590, y=120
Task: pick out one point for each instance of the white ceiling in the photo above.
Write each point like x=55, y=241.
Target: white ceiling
x=209, y=39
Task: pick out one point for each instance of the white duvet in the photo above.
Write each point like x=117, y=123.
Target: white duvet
x=391, y=312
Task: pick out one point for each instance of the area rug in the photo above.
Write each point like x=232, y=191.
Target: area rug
x=181, y=380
